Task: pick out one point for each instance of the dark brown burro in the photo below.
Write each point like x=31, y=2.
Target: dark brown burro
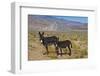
x=63, y=44
x=46, y=41
x=53, y=40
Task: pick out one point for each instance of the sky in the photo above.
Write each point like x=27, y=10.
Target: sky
x=74, y=18
x=70, y=18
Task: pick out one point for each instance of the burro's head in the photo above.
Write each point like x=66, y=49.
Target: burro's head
x=41, y=36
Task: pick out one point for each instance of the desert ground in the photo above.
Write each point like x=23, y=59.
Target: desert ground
x=79, y=48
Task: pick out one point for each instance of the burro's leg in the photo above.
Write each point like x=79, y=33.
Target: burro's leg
x=69, y=50
x=57, y=51
x=60, y=51
x=47, y=52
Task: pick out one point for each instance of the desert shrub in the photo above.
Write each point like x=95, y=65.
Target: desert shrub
x=76, y=57
x=84, y=53
x=75, y=46
x=53, y=57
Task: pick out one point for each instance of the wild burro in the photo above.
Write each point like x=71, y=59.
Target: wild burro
x=47, y=41
x=63, y=44
x=53, y=40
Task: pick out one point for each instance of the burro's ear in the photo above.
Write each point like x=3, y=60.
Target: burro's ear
x=39, y=33
x=42, y=33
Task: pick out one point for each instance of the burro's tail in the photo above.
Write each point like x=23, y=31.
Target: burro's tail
x=71, y=44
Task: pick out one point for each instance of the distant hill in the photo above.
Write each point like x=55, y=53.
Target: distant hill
x=50, y=23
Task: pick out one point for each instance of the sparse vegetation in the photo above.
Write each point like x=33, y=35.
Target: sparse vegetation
x=78, y=38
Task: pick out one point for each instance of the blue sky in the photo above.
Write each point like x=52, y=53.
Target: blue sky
x=70, y=18
x=74, y=18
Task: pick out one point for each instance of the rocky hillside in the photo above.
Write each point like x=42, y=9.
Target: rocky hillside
x=51, y=23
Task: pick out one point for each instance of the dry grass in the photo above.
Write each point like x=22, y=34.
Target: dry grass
x=78, y=39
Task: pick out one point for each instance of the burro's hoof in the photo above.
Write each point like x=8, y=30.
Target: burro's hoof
x=69, y=54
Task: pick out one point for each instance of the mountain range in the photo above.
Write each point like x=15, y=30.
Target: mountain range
x=52, y=23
